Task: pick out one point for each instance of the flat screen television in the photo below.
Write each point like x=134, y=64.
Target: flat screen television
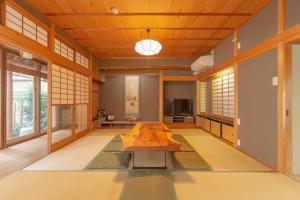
x=182, y=106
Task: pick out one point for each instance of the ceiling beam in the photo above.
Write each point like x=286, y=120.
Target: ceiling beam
x=191, y=39
x=119, y=68
x=145, y=28
x=164, y=46
x=192, y=14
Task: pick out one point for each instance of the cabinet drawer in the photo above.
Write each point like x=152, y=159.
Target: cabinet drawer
x=207, y=125
x=189, y=120
x=200, y=122
x=168, y=120
x=228, y=133
x=216, y=128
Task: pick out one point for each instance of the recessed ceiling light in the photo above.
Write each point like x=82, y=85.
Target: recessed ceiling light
x=115, y=10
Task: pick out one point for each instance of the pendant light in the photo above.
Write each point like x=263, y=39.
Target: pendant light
x=148, y=47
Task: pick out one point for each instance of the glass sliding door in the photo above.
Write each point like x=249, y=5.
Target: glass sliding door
x=20, y=109
x=26, y=97
x=43, y=105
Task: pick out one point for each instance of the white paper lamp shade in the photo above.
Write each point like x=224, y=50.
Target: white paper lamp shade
x=148, y=47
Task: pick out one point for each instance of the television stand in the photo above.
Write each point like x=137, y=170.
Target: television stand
x=181, y=119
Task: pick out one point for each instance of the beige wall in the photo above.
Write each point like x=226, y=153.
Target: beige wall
x=296, y=108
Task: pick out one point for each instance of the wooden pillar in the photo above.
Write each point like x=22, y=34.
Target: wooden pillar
x=49, y=128
x=284, y=133
x=52, y=37
x=2, y=12
x=236, y=116
x=161, y=96
x=2, y=100
x=90, y=108
x=37, y=101
x=198, y=97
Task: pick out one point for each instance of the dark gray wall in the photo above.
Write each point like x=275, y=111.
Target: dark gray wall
x=224, y=51
x=180, y=90
x=174, y=72
x=257, y=101
x=112, y=97
x=259, y=28
x=292, y=13
x=149, y=98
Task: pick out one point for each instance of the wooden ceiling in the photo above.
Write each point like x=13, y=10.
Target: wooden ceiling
x=186, y=28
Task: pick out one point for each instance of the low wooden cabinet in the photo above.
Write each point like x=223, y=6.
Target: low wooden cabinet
x=200, y=122
x=228, y=133
x=179, y=119
x=215, y=128
x=207, y=125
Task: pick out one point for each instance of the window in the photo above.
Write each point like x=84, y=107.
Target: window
x=203, y=86
x=26, y=98
x=223, y=95
x=217, y=96
x=20, y=105
x=82, y=100
x=62, y=121
x=43, y=105
x=63, y=50
x=81, y=60
x=16, y=21
x=228, y=95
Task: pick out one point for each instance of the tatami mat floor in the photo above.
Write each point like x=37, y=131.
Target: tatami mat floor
x=220, y=156
x=60, y=176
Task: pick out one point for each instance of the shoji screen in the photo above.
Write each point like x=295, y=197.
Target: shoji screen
x=81, y=60
x=203, y=86
x=217, y=96
x=223, y=95
x=62, y=85
x=228, y=95
x=16, y=21
x=63, y=50
x=82, y=100
x=62, y=92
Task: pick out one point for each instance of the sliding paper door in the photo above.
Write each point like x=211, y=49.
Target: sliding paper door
x=69, y=105
x=62, y=103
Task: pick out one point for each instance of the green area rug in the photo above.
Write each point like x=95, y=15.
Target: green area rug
x=185, y=144
x=187, y=161
x=148, y=184
x=110, y=160
x=113, y=157
x=113, y=146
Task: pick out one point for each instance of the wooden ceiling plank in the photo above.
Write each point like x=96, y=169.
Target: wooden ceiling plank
x=192, y=39
x=154, y=28
x=192, y=14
